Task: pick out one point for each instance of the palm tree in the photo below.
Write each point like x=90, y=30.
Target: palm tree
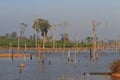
x=42, y=25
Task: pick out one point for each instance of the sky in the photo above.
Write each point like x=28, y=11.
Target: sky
x=78, y=13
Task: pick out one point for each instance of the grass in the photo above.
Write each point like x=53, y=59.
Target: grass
x=29, y=43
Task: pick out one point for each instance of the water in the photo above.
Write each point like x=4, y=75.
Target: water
x=57, y=67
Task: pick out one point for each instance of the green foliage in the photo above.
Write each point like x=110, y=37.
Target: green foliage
x=41, y=25
x=4, y=42
x=89, y=39
x=64, y=37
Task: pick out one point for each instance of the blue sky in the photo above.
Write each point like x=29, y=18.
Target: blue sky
x=79, y=13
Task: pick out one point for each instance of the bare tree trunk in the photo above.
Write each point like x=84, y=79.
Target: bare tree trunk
x=44, y=40
x=18, y=45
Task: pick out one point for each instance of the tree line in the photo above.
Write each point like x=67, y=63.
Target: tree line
x=41, y=26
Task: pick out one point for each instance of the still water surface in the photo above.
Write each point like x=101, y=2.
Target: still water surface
x=57, y=67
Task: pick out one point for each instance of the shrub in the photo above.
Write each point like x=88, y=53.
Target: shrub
x=115, y=66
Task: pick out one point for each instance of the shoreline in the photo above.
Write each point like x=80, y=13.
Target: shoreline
x=17, y=55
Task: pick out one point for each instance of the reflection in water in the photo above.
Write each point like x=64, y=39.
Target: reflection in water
x=85, y=76
x=20, y=71
x=49, y=62
x=78, y=68
x=44, y=74
x=90, y=52
x=68, y=56
x=75, y=64
x=63, y=55
x=12, y=55
x=38, y=59
x=21, y=68
x=31, y=56
x=65, y=77
x=43, y=56
x=72, y=77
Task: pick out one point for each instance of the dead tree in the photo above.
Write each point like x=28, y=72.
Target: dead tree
x=95, y=25
x=22, y=30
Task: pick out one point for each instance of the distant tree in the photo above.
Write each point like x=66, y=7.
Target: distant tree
x=89, y=39
x=64, y=37
x=50, y=38
x=6, y=35
x=41, y=25
x=13, y=35
x=22, y=30
x=31, y=37
x=34, y=36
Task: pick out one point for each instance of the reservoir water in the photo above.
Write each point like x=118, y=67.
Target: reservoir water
x=57, y=66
